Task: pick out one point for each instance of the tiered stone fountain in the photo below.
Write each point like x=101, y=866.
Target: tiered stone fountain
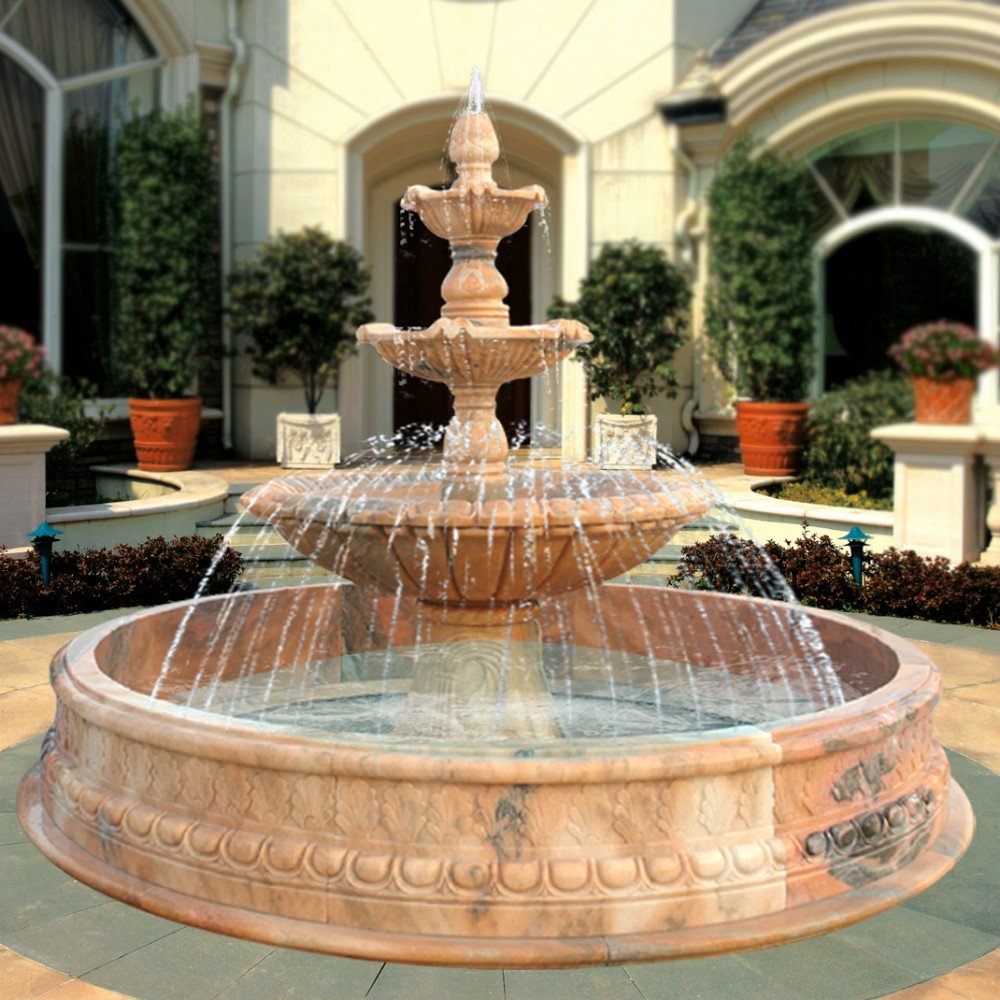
x=477, y=821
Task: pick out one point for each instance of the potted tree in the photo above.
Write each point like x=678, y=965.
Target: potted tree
x=166, y=279
x=760, y=304
x=635, y=303
x=298, y=303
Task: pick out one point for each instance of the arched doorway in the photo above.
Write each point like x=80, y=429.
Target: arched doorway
x=884, y=281
x=22, y=165
x=405, y=147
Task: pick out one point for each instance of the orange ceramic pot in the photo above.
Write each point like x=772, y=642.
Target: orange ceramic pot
x=10, y=391
x=943, y=402
x=772, y=437
x=165, y=432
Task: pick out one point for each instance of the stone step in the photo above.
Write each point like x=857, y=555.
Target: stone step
x=232, y=504
x=241, y=530
x=260, y=576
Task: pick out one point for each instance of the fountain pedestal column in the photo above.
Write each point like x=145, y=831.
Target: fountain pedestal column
x=475, y=442
x=478, y=675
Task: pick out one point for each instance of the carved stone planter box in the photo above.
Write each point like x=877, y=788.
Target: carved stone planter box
x=308, y=441
x=625, y=442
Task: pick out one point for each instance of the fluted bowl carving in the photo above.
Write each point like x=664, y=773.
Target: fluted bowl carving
x=464, y=352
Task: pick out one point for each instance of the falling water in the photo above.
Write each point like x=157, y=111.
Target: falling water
x=474, y=101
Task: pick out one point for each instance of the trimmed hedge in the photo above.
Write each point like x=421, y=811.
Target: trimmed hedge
x=818, y=571
x=156, y=572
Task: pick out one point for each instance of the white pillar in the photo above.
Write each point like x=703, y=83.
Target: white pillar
x=991, y=459
x=575, y=224
x=936, y=504
x=22, y=479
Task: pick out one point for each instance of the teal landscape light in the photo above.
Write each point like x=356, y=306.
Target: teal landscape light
x=856, y=539
x=42, y=538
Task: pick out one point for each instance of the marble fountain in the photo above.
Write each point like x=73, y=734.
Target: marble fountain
x=478, y=752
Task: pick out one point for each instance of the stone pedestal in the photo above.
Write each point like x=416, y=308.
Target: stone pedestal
x=938, y=485
x=625, y=442
x=308, y=441
x=22, y=479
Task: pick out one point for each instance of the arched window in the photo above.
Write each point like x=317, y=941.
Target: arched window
x=908, y=224
x=936, y=164
x=69, y=69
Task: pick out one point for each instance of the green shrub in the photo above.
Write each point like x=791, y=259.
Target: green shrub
x=760, y=305
x=635, y=303
x=818, y=571
x=60, y=402
x=299, y=302
x=166, y=270
x=155, y=572
x=840, y=452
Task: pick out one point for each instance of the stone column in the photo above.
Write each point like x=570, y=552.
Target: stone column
x=935, y=491
x=22, y=480
x=991, y=459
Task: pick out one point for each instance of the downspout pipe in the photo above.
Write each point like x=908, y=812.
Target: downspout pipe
x=229, y=96
x=685, y=220
x=694, y=108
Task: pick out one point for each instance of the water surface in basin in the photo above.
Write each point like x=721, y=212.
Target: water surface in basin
x=593, y=694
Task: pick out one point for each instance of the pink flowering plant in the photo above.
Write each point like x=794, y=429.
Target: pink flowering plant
x=943, y=351
x=20, y=356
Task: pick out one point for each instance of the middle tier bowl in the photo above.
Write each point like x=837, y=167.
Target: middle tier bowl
x=467, y=352
x=535, y=533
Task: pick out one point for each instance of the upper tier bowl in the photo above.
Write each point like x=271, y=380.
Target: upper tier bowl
x=481, y=212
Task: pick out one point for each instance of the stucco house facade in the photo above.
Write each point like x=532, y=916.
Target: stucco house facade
x=324, y=110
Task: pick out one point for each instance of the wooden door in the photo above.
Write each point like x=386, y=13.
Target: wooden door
x=422, y=261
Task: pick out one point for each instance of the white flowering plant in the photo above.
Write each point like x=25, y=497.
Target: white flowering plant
x=943, y=351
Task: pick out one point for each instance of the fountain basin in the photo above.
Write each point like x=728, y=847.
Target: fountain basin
x=534, y=853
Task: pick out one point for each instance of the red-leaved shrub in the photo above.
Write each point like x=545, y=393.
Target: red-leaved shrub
x=155, y=572
x=818, y=572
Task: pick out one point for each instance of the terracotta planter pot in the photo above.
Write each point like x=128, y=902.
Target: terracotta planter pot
x=165, y=431
x=943, y=402
x=772, y=437
x=10, y=391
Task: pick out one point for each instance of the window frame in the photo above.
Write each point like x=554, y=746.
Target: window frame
x=53, y=186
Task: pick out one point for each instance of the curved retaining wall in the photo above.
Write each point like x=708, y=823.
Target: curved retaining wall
x=159, y=503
